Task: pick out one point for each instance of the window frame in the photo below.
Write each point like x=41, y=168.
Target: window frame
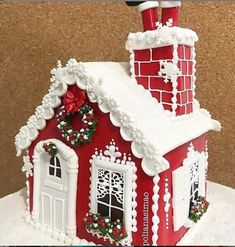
x=182, y=184
x=127, y=192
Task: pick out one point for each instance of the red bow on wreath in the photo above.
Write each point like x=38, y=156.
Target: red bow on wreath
x=73, y=103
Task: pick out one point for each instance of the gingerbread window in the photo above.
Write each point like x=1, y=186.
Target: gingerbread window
x=55, y=167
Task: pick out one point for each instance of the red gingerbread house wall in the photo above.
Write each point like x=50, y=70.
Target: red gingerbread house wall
x=105, y=132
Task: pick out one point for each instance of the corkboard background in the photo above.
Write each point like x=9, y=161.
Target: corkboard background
x=34, y=36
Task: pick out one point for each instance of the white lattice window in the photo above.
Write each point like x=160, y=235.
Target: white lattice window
x=110, y=199
x=189, y=182
x=111, y=190
x=194, y=181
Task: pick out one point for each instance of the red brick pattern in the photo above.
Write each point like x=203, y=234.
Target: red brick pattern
x=185, y=82
x=147, y=66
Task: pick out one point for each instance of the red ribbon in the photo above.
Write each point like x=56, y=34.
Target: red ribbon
x=73, y=103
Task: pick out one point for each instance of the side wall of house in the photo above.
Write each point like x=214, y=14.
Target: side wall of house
x=105, y=132
x=166, y=233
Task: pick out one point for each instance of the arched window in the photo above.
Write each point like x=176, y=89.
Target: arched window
x=54, y=167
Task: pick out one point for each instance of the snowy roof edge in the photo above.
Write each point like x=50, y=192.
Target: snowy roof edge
x=75, y=73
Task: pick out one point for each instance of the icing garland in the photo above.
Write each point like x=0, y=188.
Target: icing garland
x=103, y=226
x=198, y=209
x=73, y=105
x=50, y=148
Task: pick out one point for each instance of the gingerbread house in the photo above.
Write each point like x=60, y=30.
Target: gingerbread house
x=116, y=154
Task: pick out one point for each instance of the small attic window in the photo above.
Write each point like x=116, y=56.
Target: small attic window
x=55, y=167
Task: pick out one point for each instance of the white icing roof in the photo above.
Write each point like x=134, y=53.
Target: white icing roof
x=142, y=120
x=163, y=36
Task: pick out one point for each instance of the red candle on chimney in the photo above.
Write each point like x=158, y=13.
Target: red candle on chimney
x=170, y=10
x=149, y=14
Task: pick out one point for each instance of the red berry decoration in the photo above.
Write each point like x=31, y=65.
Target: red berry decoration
x=116, y=232
x=89, y=220
x=95, y=223
x=123, y=230
x=101, y=222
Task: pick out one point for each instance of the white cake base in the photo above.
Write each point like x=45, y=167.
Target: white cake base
x=217, y=227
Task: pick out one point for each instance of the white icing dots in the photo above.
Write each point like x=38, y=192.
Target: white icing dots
x=166, y=199
x=155, y=218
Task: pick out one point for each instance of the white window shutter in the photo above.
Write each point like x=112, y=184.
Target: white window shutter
x=202, y=175
x=181, y=196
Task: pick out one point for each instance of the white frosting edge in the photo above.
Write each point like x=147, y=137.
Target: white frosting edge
x=164, y=36
x=153, y=161
x=76, y=73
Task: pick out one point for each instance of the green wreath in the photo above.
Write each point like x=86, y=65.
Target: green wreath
x=77, y=137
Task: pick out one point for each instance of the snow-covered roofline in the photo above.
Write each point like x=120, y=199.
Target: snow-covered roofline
x=163, y=36
x=152, y=131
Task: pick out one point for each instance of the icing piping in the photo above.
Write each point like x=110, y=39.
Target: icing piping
x=61, y=77
x=165, y=35
x=174, y=79
x=27, y=168
x=152, y=162
x=166, y=199
x=194, y=72
x=155, y=218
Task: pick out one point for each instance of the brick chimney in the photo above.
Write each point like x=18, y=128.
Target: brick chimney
x=163, y=57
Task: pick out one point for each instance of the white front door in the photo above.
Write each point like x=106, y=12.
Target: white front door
x=53, y=192
x=55, y=188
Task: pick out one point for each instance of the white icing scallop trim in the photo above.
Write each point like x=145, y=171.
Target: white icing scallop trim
x=165, y=35
x=216, y=124
x=155, y=218
x=152, y=160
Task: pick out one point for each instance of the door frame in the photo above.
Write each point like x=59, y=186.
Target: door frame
x=72, y=171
